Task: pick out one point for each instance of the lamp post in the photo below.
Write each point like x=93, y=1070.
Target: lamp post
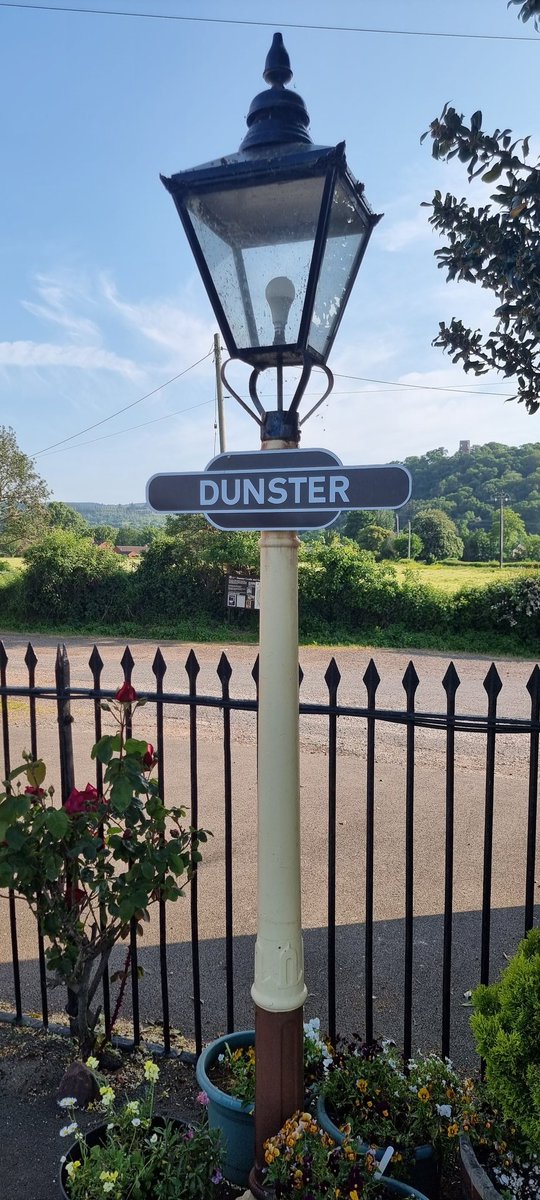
x=278, y=231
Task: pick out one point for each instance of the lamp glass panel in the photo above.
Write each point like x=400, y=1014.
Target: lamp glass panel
x=347, y=230
x=250, y=235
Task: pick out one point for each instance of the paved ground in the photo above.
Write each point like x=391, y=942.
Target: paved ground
x=509, y=836
x=18, y=1181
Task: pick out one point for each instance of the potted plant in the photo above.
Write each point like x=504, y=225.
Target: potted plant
x=226, y=1075
x=371, y=1095
x=303, y=1162
x=133, y=1153
x=499, y=1149
x=90, y=867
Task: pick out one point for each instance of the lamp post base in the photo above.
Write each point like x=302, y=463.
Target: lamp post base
x=279, y=1086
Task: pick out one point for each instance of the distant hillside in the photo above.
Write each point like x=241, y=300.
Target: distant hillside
x=134, y=515
x=468, y=485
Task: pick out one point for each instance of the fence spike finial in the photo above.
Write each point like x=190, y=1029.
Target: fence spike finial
x=127, y=663
x=410, y=681
x=533, y=685
x=493, y=682
x=332, y=677
x=224, y=669
x=96, y=664
x=159, y=666
x=451, y=680
x=30, y=657
x=371, y=678
x=192, y=666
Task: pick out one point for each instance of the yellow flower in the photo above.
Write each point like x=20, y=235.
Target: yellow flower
x=354, y=1194
x=72, y=1167
x=362, y=1085
x=151, y=1071
x=108, y=1176
x=92, y=1063
x=423, y=1095
x=453, y=1130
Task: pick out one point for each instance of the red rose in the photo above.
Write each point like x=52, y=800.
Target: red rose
x=126, y=694
x=150, y=757
x=75, y=896
x=34, y=791
x=79, y=802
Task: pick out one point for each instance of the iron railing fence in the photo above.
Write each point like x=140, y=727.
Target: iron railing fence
x=363, y=943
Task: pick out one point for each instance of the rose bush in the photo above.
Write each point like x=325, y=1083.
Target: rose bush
x=89, y=868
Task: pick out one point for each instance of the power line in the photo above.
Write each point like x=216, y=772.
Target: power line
x=119, y=432
x=149, y=16
x=424, y=387
x=121, y=410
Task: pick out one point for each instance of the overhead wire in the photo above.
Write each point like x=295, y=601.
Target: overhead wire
x=150, y=16
x=118, y=411
x=59, y=449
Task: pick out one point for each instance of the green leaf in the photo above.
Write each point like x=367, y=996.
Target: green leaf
x=493, y=174
x=106, y=747
x=58, y=822
x=11, y=809
x=135, y=746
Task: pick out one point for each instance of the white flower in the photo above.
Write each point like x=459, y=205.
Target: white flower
x=444, y=1110
x=67, y=1102
x=65, y=1132
x=108, y=1186
x=221, y=1058
x=153, y=1139
x=136, y=1121
x=132, y=1108
x=92, y=1063
x=110, y=1125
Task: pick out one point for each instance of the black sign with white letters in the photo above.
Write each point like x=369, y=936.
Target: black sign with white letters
x=279, y=489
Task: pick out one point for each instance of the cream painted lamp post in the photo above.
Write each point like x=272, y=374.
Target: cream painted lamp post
x=278, y=231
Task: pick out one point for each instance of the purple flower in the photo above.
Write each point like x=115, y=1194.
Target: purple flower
x=202, y=1098
x=217, y=1176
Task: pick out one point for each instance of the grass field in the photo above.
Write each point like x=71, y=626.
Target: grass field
x=450, y=577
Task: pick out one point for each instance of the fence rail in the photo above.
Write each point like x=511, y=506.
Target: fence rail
x=370, y=719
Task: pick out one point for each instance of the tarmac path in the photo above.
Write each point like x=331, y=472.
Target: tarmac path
x=429, y=822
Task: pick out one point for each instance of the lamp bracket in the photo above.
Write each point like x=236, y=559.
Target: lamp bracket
x=290, y=416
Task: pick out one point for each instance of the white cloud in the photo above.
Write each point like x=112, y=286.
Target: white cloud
x=165, y=323
x=58, y=296
x=47, y=354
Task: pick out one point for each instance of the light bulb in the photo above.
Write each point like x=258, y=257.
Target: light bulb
x=280, y=294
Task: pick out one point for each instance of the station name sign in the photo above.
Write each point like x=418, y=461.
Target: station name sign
x=279, y=489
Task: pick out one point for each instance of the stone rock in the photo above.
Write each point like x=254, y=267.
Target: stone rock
x=79, y=1082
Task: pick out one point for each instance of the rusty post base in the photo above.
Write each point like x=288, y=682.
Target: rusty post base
x=279, y=1081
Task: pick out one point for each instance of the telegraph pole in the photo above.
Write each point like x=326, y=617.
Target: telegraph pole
x=219, y=395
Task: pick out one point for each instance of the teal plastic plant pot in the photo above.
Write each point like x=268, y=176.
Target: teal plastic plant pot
x=395, y=1187
x=425, y=1173
x=225, y=1112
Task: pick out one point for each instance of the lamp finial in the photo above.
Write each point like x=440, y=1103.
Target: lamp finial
x=277, y=116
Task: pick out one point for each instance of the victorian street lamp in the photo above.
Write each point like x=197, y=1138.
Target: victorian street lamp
x=278, y=231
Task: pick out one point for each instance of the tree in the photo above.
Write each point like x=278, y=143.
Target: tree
x=439, y=535
x=356, y=521
x=497, y=247
x=401, y=543
x=104, y=533
x=22, y=496
x=63, y=516
x=514, y=535
x=376, y=539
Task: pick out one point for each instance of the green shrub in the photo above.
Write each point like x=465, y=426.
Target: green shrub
x=506, y=1027
x=71, y=580
x=185, y=572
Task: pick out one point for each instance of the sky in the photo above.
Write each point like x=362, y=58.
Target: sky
x=100, y=301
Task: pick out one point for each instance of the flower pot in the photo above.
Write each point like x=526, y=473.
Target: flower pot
x=475, y=1181
x=96, y=1137
x=425, y=1173
x=395, y=1187
x=233, y=1117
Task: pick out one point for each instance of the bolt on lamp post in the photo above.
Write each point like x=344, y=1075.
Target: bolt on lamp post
x=278, y=231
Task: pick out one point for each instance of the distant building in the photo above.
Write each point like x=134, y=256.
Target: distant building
x=131, y=551
x=464, y=447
